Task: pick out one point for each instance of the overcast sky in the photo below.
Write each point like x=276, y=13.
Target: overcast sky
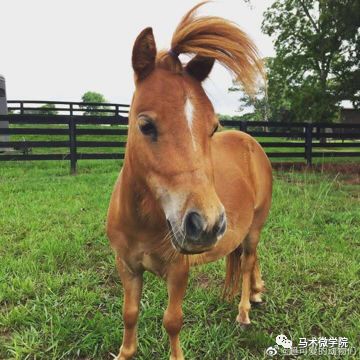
x=57, y=50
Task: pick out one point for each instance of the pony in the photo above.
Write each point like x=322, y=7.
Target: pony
x=188, y=194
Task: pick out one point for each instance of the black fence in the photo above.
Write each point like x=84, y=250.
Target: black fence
x=74, y=137
x=31, y=107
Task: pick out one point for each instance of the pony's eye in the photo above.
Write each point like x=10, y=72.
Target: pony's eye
x=148, y=129
x=215, y=130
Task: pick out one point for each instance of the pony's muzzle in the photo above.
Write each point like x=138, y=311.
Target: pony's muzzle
x=199, y=236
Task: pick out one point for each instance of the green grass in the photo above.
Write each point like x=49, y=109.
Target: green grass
x=59, y=150
x=60, y=296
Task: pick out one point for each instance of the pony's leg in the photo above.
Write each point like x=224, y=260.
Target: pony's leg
x=177, y=278
x=132, y=284
x=257, y=284
x=247, y=267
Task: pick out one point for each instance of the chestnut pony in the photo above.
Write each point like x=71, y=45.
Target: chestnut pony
x=186, y=194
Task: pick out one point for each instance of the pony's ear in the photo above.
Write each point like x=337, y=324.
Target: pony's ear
x=144, y=54
x=199, y=67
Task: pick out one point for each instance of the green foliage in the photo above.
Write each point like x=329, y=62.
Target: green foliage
x=228, y=117
x=47, y=109
x=317, y=63
x=234, y=117
x=93, y=97
x=258, y=104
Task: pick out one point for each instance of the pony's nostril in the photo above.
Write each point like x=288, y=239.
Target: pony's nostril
x=194, y=225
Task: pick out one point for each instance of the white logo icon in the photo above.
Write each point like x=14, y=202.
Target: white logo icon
x=281, y=341
x=271, y=351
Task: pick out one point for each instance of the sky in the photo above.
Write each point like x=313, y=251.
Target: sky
x=58, y=50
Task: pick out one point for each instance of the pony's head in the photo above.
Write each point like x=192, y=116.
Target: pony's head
x=172, y=123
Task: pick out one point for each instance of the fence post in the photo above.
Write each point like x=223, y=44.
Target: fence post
x=3, y=111
x=73, y=150
x=308, y=143
x=243, y=125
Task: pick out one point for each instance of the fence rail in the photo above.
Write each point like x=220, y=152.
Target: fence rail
x=23, y=107
x=75, y=137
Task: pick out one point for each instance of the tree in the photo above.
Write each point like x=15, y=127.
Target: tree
x=93, y=97
x=48, y=109
x=317, y=63
x=257, y=104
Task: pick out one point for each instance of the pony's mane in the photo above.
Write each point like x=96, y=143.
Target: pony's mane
x=216, y=38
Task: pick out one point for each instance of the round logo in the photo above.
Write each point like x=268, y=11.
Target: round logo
x=271, y=351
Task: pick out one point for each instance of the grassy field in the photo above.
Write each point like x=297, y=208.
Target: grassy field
x=60, y=296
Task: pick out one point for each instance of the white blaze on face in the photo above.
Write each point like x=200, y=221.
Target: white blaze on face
x=189, y=114
x=172, y=204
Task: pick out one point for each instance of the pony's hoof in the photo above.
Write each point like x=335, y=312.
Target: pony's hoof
x=244, y=324
x=244, y=327
x=256, y=298
x=257, y=304
x=126, y=353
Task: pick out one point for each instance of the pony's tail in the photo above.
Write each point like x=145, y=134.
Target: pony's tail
x=233, y=272
x=222, y=40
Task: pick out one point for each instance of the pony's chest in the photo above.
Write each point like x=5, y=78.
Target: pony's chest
x=151, y=262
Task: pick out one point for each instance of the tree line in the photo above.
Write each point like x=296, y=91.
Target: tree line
x=88, y=109
x=316, y=64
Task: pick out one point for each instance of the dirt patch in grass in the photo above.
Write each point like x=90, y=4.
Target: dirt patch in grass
x=5, y=334
x=355, y=180
x=205, y=281
x=348, y=169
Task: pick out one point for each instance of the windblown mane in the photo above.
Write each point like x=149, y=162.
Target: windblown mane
x=215, y=38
